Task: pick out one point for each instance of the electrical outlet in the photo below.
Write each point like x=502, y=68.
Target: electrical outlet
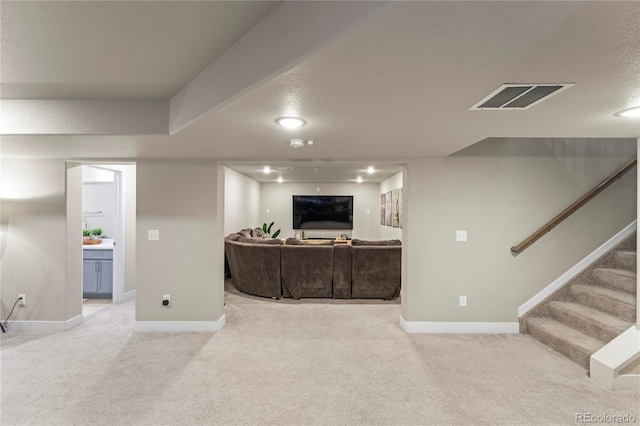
x=463, y=300
x=23, y=301
x=166, y=300
x=154, y=235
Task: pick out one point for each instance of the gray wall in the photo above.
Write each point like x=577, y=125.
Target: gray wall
x=34, y=245
x=241, y=202
x=500, y=201
x=182, y=201
x=277, y=197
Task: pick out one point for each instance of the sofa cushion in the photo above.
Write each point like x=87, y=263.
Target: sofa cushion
x=356, y=242
x=257, y=233
x=297, y=242
x=260, y=240
x=234, y=236
x=245, y=232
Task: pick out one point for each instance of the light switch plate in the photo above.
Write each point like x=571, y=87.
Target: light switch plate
x=463, y=300
x=154, y=235
x=461, y=235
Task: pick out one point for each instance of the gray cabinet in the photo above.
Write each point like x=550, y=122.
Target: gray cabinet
x=97, y=272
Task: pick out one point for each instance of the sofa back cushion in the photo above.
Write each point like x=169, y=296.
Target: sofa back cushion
x=356, y=242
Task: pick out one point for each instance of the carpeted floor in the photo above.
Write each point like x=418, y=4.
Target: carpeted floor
x=292, y=363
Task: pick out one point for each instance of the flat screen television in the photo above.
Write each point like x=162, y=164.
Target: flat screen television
x=323, y=212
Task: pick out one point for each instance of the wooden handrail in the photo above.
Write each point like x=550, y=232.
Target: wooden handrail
x=515, y=250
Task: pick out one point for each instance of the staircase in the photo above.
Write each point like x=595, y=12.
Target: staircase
x=591, y=309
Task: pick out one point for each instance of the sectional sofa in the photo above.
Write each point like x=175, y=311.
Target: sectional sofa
x=293, y=268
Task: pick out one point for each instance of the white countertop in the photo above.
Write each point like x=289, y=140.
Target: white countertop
x=107, y=244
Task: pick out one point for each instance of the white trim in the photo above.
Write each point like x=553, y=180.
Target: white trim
x=605, y=365
x=45, y=326
x=459, y=327
x=130, y=295
x=579, y=267
x=118, y=236
x=180, y=326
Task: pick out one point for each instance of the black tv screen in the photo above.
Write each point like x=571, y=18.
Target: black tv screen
x=322, y=212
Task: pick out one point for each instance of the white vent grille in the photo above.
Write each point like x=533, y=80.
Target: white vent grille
x=519, y=96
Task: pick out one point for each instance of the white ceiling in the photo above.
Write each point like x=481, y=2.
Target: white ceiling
x=395, y=86
x=116, y=49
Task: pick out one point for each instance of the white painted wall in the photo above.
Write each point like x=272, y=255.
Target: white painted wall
x=389, y=232
x=277, y=198
x=34, y=242
x=500, y=201
x=99, y=197
x=241, y=202
x=181, y=201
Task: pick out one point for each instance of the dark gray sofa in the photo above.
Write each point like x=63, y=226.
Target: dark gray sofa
x=255, y=265
x=271, y=268
x=376, y=269
x=306, y=269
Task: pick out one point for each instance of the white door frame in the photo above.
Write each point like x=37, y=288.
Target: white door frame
x=118, y=240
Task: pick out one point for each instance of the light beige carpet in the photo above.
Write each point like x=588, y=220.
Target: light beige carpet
x=299, y=363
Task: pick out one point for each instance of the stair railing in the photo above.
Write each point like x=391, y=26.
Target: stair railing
x=517, y=249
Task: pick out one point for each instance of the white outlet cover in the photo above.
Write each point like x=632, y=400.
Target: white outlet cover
x=461, y=235
x=463, y=300
x=154, y=235
x=268, y=211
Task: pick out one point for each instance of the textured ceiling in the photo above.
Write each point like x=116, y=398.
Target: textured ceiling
x=397, y=86
x=116, y=49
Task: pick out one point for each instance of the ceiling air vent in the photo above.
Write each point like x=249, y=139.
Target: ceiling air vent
x=519, y=96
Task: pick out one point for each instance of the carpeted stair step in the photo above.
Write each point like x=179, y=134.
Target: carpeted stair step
x=571, y=343
x=615, y=302
x=592, y=322
x=626, y=260
x=618, y=279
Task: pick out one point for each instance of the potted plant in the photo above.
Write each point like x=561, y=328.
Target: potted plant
x=267, y=230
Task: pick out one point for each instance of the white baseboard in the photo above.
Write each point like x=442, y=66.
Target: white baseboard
x=128, y=296
x=180, y=326
x=45, y=326
x=426, y=327
x=579, y=267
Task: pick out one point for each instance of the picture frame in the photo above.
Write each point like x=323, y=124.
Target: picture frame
x=387, y=209
x=383, y=203
x=395, y=208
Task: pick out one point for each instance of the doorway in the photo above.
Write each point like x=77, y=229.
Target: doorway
x=108, y=224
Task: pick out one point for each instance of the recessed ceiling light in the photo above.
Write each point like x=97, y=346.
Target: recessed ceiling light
x=370, y=169
x=359, y=180
x=631, y=112
x=280, y=180
x=266, y=170
x=296, y=143
x=290, y=122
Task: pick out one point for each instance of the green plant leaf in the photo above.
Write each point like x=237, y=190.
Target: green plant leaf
x=275, y=234
x=269, y=228
x=264, y=227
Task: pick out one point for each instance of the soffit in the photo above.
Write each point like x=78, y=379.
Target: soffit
x=400, y=86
